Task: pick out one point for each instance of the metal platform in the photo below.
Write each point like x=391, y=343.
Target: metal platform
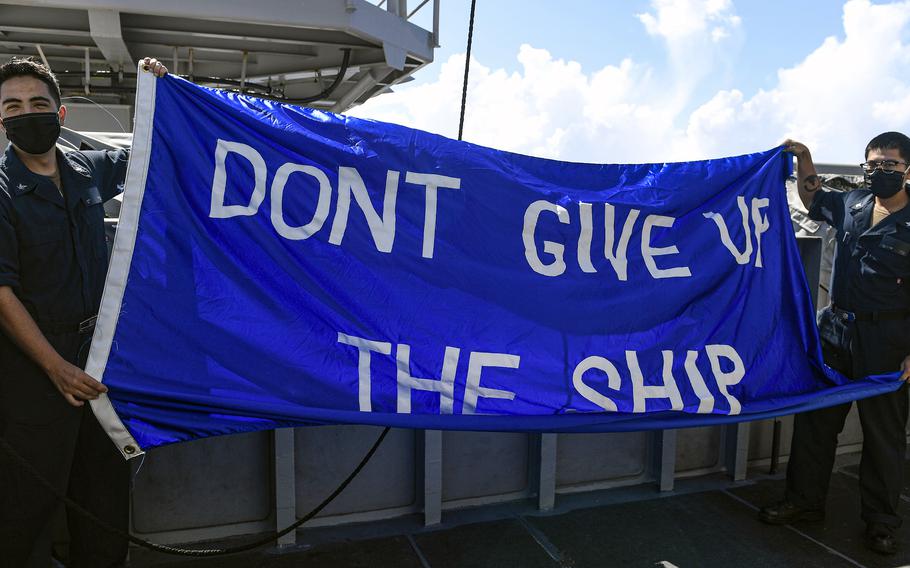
x=706, y=522
x=273, y=48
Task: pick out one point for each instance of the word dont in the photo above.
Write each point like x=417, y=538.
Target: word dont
x=350, y=182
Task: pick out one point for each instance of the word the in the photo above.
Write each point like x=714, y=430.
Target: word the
x=445, y=385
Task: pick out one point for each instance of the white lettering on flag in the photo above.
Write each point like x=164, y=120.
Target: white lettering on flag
x=648, y=252
x=727, y=379
x=532, y=216
x=322, y=205
x=618, y=258
x=705, y=398
x=641, y=392
x=382, y=228
x=476, y=364
x=218, y=209
x=432, y=182
x=364, y=348
x=761, y=226
x=613, y=380
x=445, y=385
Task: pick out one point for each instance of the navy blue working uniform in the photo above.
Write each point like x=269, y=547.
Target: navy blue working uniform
x=870, y=312
x=53, y=254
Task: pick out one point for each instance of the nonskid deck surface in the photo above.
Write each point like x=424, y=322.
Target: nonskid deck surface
x=707, y=521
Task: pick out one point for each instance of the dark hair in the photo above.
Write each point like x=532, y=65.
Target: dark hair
x=890, y=141
x=28, y=67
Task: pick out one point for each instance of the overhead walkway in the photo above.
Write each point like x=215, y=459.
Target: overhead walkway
x=329, y=54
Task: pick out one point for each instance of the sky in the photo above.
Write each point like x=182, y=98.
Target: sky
x=632, y=81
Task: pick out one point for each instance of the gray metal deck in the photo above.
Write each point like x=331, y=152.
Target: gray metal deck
x=706, y=521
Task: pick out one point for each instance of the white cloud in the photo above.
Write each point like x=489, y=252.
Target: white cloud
x=679, y=20
x=837, y=98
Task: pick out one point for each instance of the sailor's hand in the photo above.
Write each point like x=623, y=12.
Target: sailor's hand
x=154, y=66
x=798, y=149
x=74, y=384
x=905, y=369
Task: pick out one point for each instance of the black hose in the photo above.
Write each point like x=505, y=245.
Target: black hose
x=345, y=62
x=262, y=91
x=73, y=506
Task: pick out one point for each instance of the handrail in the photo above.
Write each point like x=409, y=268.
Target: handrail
x=400, y=8
x=415, y=10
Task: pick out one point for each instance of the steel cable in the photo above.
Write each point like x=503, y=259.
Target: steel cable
x=467, y=69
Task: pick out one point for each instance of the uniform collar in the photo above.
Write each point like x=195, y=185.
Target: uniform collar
x=65, y=164
x=897, y=219
x=888, y=225
x=23, y=180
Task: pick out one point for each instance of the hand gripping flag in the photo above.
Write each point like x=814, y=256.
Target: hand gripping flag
x=280, y=266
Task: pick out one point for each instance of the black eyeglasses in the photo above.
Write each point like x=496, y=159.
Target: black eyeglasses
x=887, y=166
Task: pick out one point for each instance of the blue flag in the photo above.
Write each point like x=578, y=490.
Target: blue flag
x=281, y=266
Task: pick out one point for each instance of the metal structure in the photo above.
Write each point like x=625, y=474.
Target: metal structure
x=333, y=54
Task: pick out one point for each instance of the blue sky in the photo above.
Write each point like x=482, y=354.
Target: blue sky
x=776, y=34
x=660, y=80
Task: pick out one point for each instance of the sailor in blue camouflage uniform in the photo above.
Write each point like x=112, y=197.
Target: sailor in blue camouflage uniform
x=53, y=262
x=864, y=331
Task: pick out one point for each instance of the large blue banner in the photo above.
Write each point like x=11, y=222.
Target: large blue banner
x=280, y=266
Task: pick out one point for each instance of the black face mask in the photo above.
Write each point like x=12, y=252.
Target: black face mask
x=885, y=184
x=35, y=132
